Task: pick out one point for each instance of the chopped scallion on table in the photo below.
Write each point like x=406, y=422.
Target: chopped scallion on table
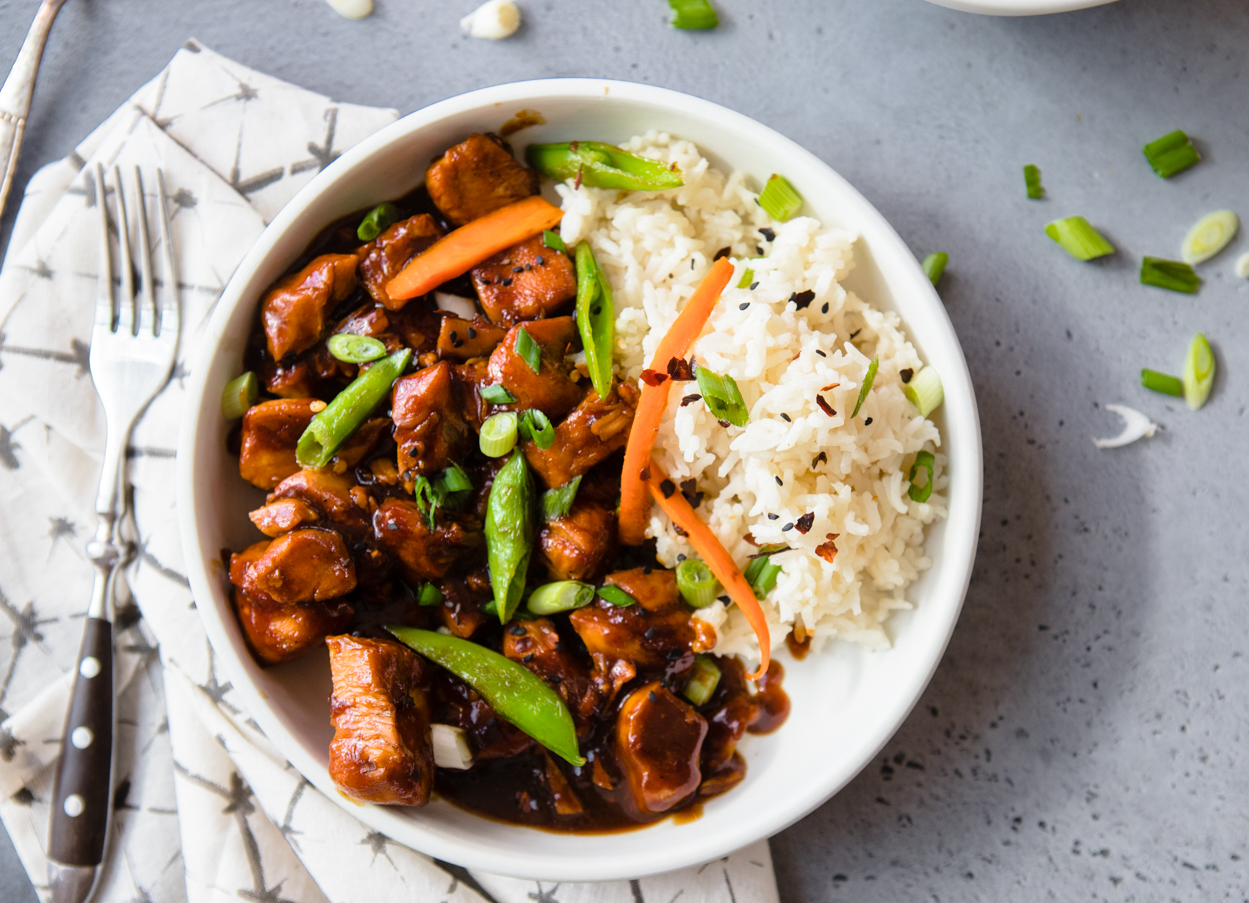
x=924, y=460
x=1171, y=154
x=867, y=385
x=558, y=502
x=1169, y=274
x=693, y=15
x=779, y=199
x=704, y=678
x=355, y=349
x=498, y=434
x=1162, y=382
x=1212, y=233
x=1032, y=180
x=1198, y=375
x=239, y=394
x=1078, y=238
x=696, y=584
x=934, y=265
x=924, y=391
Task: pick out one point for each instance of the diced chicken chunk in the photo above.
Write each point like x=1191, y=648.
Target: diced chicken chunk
x=549, y=389
x=296, y=310
x=658, y=740
x=283, y=516
x=644, y=638
x=307, y=565
x=383, y=257
x=429, y=428
x=336, y=497
x=654, y=588
x=382, y=751
x=578, y=545
x=526, y=282
x=476, y=177
x=271, y=430
x=593, y=431
x=463, y=339
x=421, y=553
x=536, y=645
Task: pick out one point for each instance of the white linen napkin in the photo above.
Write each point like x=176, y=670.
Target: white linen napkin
x=206, y=807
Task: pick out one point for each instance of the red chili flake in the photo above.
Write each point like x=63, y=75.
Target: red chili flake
x=905, y=374
x=821, y=458
x=690, y=399
x=689, y=489
x=667, y=487
x=680, y=369
x=653, y=377
x=803, y=299
x=645, y=474
x=825, y=406
x=804, y=523
x=828, y=550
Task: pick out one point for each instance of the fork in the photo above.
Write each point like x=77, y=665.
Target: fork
x=133, y=344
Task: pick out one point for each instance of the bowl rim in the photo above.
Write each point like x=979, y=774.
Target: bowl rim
x=1019, y=7
x=958, y=547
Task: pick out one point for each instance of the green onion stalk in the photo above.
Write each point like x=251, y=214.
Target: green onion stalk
x=616, y=596
x=924, y=460
x=558, y=502
x=722, y=396
x=1078, y=238
x=334, y=425
x=1169, y=274
x=703, y=680
x=355, y=349
x=239, y=394
x=696, y=584
x=925, y=391
x=601, y=165
x=377, y=221
x=498, y=434
x=563, y=595
x=779, y=199
x=1172, y=153
x=596, y=319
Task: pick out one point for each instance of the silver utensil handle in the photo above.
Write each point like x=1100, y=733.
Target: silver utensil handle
x=18, y=89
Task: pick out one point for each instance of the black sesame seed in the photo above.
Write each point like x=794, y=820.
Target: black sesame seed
x=453, y=337
x=867, y=422
x=691, y=263
x=528, y=658
x=650, y=694
x=779, y=481
x=518, y=269
x=723, y=252
x=824, y=308
x=541, y=260
x=528, y=267
x=753, y=286
x=681, y=557
x=507, y=281
x=769, y=234
x=820, y=353
x=555, y=679
x=516, y=630
x=854, y=334
x=787, y=528
x=725, y=599
x=773, y=517
x=457, y=343
x=743, y=305
x=786, y=418
x=647, y=569
x=472, y=333
x=650, y=633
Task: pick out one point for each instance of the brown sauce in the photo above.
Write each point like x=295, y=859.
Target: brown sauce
x=798, y=648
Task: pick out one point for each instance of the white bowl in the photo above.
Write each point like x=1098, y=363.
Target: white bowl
x=846, y=702
x=1018, y=7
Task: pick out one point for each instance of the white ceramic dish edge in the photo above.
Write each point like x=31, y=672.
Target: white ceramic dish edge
x=1019, y=7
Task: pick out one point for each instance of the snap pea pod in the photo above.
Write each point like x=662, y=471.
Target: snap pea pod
x=596, y=319
x=515, y=693
x=509, y=533
x=334, y=425
x=602, y=166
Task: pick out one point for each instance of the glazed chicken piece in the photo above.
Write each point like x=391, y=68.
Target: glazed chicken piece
x=271, y=431
x=337, y=498
x=654, y=588
x=476, y=177
x=733, y=711
x=592, y=432
x=645, y=637
x=313, y=374
x=422, y=554
x=578, y=545
x=460, y=339
x=382, y=751
x=383, y=257
x=429, y=429
x=295, y=312
x=461, y=608
x=283, y=516
x=550, y=389
x=537, y=646
x=526, y=282
x=658, y=741
x=307, y=565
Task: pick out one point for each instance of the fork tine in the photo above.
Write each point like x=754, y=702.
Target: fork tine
x=125, y=315
x=170, y=310
x=146, y=299
x=105, y=314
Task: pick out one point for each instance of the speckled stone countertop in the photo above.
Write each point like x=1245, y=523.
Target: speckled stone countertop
x=1082, y=737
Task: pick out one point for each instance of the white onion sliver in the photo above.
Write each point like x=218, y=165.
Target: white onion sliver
x=352, y=9
x=1135, y=426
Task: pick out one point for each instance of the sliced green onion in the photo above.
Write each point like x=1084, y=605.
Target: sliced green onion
x=239, y=394
x=565, y=595
x=598, y=165
x=1032, y=180
x=779, y=199
x=454, y=479
x=748, y=276
x=377, y=221
x=616, y=596
x=496, y=393
x=498, y=434
x=335, y=424
x=761, y=573
x=1169, y=274
x=429, y=595
x=934, y=265
x=596, y=319
x=355, y=349
x=1171, y=153
x=1162, y=382
x=722, y=396
x=923, y=460
x=537, y=426
x=867, y=385
x=528, y=349
x=1078, y=238
x=704, y=678
x=1198, y=374
x=693, y=15
x=427, y=500
x=558, y=502
x=924, y=391
x=1212, y=234
x=696, y=584
x=553, y=241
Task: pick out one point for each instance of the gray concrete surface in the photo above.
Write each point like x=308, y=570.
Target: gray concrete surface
x=1082, y=737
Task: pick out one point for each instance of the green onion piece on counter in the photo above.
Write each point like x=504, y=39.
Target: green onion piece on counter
x=377, y=221
x=553, y=241
x=616, y=596
x=1198, y=373
x=537, y=426
x=923, y=460
x=564, y=595
x=779, y=199
x=558, y=502
x=934, y=265
x=1162, y=382
x=429, y=595
x=596, y=319
x=239, y=394
x=696, y=584
x=1171, y=153
x=516, y=694
x=704, y=678
x=693, y=15
x=1078, y=238
x=351, y=407
x=761, y=573
x=748, y=277
x=496, y=393
x=528, y=350
x=924, y=391
x=600, y=165
x=1242, y=266
x=355, y=349
x=867, y=385
x=1212, y=233
x=1169, y=274
x=509, y=532
x=1032, y=180
x=722, y=396
x=498, y=434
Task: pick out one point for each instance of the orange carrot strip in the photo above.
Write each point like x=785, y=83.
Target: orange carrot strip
x=458, y=252
x=634, y=504
x=716, y=557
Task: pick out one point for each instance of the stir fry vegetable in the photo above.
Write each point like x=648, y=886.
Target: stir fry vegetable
x=553, y=241
x=1172, y=153
x=693, y=15
x=601, y=165
x=515, y=693
x=509, y=533
x=377, y=221
x=696, y=584
x=563, y=595
x=1078, y=238
x=239, y=394
x=779, y=199
x=334, y=425
x=558, y=502
x=596, y=319
x=536, y=426
x=616, y=596
x=761, y=573
x=924, y=460
x=498, y=434
x=925, y=391
x=867, y=385
x=355, y=349
x=704, y=678
x=1210, y=235
x=722, y=396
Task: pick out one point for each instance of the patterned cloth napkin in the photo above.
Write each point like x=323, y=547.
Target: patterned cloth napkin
x=206, y=808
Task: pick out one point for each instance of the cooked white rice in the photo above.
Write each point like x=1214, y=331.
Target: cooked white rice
x=655, y=248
